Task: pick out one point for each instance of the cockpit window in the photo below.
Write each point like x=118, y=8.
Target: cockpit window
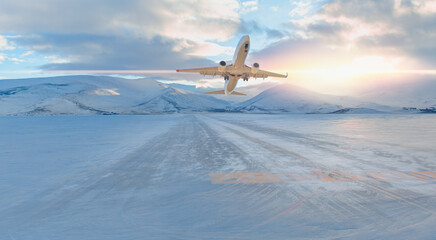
x=246, y=46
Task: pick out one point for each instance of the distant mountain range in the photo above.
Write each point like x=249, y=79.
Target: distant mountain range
x=88, y=95
x=419, y=93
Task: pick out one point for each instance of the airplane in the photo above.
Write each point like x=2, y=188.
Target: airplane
x=233, y=72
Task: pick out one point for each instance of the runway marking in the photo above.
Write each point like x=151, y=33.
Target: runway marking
x=325, y=176
x=276, y=216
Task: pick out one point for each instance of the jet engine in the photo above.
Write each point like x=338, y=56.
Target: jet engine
x=222, y=66
x=255, y=68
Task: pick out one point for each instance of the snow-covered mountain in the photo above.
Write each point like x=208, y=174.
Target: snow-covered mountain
x=293, y=99
x=98, y=95
x=87, y=95
x=289, y=98
x=419, y=93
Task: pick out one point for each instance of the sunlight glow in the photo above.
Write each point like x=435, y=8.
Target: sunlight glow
x=347, y=72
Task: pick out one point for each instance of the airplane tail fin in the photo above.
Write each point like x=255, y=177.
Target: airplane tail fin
x=222, y=92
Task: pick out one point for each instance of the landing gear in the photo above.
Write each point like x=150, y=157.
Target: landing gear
x=226, y=78
x=245, y=79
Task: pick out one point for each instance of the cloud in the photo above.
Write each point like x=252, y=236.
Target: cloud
x=91, y=52
x=298, y=53
x=401, y=32
x=4, y=44
x=211, y=49
x=409, y=6
x=342, y=47
x=16, y=60
x=28, y=53
x=273, y=34
x=56, y=59
x=300, y=8
x=249, y=6
x=173, y=19
x=250, y=27
x=4, y=57
x=253, y=27
x=154, y=34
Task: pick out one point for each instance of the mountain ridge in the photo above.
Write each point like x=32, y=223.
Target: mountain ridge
x=90, y=95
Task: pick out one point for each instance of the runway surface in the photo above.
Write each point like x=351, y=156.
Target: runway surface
x=218, y=176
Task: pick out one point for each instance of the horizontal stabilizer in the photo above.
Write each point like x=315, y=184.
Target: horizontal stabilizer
x=215, y=92
x=238, y=93
x=222, y=92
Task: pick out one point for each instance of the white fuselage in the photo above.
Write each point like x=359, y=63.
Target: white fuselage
x=235, y=71
x=241, y=53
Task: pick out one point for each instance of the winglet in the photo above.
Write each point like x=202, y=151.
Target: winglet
x=286, y=73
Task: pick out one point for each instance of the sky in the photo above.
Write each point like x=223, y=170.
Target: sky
x=330, y=46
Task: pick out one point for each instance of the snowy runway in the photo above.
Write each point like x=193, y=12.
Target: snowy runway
x=149, y=177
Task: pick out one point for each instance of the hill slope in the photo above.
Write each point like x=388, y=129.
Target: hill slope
x=419, y=93
x=89, y=95
x=98, y=95
x=289, y=98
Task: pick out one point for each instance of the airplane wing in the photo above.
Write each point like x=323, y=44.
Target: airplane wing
x=265, y=74
x=203, y=71
x=213, y=71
